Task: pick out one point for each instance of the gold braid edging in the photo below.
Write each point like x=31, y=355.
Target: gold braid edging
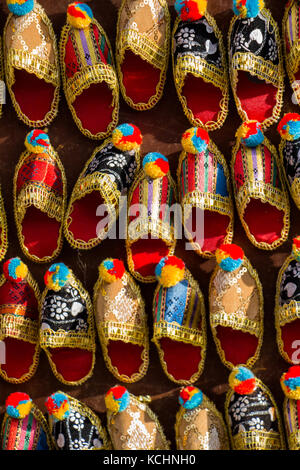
x=146, y=52
x=3, y=227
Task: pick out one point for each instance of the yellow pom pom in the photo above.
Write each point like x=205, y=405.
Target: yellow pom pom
x=79, y=15
x=169, y=271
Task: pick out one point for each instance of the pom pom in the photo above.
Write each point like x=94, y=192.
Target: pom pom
x=58, y=406
x=229, y=257
x=247, y=8
x=18, y=405
x=79, y=15
x=57, y=276
x=250, y=134
x=111, y=270
x=155, y=165
x=195, y=140
x=117, y=399
x=37, y=141
x=289, y=126
x=169, y=271
x=190, y=397
x=20, y=7
x=296, y=248
x=127, y=137
x=242, y=380
x=190, y=10
x=290, y=383
x=15, y=270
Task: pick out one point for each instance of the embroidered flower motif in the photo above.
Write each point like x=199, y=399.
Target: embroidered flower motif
x=239, y=409
x=58, y=309
x=256, y=423
x=117, y=161
x=78, y=444
x=185, y=37
x=262, y=400
x=76, y=420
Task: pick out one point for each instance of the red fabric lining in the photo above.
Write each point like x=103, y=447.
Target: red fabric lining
x=265, y=221
x=182, y=359
x=215, y=228
x=40, y=232
x=34, y=95
x=290, y=334
x=238, y=346
x=72, y=363
x=140, y=78
x=146, y=253
x=18, y=357
x=126, y=357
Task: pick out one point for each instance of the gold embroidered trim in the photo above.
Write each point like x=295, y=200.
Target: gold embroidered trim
x=3, y=225
x=288, y=312
x=292, y=58
x=19, y=59
x=81, y=80
x=255, y=65
x=235, y=322
x=140, y=227
x=208, y=73
x=265, y=193
x=164, y=329
x=294, y=188
x=294, y=440
x=64, y=339
x=19, y=327
x=149, y=51
x=120, y=331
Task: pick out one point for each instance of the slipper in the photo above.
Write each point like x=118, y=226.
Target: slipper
x=67, y=332
x=19, y=322
x=142, y=51
x=3, y=229
x=291, y=44
x=131, y=423
x=24, y=426
x=199, y=65
x=31, y=63
x=252, y=416
x=199, y=425
x=290, y=383
x=40, y=193
x=236, y=308
x=88, y=73
x=95, y=201
x=121, y=322
x=287, y=306
x=179, y=330
x=151, y=234
x=260, y=194
x=205, y=193
x=289, y=130
x=74, y=426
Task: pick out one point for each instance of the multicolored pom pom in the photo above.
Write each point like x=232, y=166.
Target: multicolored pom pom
x=127, y=137
x=79, y=15
x=37, y=141
x=58, y=406
x=111, y=269
x=229, y=257
x=296, y=248
x=242, y=380
x=190, y=397
x=155, y=165
x=20, y=7
x=15, y=270
x=169, y=271
x=289, y=126
x=195, y=140
x=190, y=10
x=18, y=405
x=57, y=276
x=117, y=399
x=290, y=383
x=250, y=134
x=247, y=8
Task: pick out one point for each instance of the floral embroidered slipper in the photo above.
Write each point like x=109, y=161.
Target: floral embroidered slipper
x=179, y=322
x=287, y=306
x=74, y=426
x=151, y=234
x=290, y=383
x=199, y=65
x=24, y=426
x=142, y=51
x=252, y=416
x=291, y=43
x=236, y=308
x=255, y=62
x=19, y=322
x=199, y=425
x=260, y=194
x=131, y=423
x=67, y=332
x=95, y=201
x=121, y=322
x=289, y=129
x=40, y=193
x=205, y=193
x=88, y=73
x=31, y=63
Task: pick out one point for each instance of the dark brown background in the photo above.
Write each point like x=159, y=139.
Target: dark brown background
x=162, y=128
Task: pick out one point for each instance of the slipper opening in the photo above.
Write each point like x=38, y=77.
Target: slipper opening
x=19, y=357
x=182, y=359
x=126, y=357
x=264, y=220
x=290, y=335
x=237, y=345
x=214, y=228
x=146, y=254
x=73, y=364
